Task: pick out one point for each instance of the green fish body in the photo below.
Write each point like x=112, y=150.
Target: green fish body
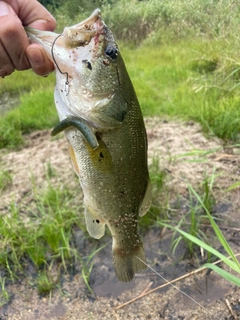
x=103, y=123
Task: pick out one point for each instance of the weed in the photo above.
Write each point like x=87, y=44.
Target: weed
x=45, y=283
x=230, y=261
x=4, y=296
x=159, y=202
x=87, y=265
x=191, y=221
x=41, y=235
x=10, y=132
x=157, y=175
x=5, y=179
x=50, y=171
x=208, y=198
x=194, y=237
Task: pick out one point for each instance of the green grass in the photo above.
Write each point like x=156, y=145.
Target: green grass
x=36, y=110
x=43, y=235
x=25, y=81
x=159, y=196
x=195, y=216
x=164, y=20
x=189, y=230
x=5, y=179
x=171, y=81
x=46, y=283
x=230, y=261
x=4, y=295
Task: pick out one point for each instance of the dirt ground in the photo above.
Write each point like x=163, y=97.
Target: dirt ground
x=186, y=156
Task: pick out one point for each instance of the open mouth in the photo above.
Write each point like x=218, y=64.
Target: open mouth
x=77, y=35
x=92, y=23
x=82, y=33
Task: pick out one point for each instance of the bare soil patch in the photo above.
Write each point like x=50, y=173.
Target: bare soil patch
x=186, y=156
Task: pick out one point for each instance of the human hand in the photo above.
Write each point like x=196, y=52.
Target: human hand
x=16, y=53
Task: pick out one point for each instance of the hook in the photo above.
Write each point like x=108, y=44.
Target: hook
x=54, y=60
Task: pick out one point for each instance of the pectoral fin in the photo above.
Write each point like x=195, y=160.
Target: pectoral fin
x=79, y=124
x=95, y=226
x=106, y=115
x=146, y=200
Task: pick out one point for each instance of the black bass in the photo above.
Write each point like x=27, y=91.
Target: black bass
x=103, y=123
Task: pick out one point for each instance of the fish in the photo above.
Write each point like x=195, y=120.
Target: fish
x=102, y=121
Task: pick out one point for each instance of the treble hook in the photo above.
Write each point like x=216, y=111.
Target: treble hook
x=54, y=60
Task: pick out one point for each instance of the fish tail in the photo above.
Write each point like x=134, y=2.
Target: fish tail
x=126, y=265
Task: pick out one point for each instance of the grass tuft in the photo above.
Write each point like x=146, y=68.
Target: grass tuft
x=5, y=179
x=45, y=283
x=4, y=295
x=159, y=198
x=195, y=238
x=42, y=235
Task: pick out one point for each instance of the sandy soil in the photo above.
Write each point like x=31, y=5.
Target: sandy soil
x=187, y=157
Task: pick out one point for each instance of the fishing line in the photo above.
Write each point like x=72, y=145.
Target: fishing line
x=164, y=279
x=54, y=60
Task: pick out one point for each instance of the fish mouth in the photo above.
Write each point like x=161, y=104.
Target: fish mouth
x=92, y=23
x=78, y=35
x=82, y=33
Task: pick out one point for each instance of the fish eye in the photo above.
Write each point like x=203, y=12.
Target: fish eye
x=111, y=51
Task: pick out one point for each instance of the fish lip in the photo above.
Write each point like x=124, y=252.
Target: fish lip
x=94, y=22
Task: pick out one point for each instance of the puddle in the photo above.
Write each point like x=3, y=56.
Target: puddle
x=111, y=287
x=205, y=288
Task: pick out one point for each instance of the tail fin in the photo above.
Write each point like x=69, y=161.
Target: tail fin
x=126, y=265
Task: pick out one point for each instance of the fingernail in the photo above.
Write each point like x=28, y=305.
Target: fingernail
x=4, y=9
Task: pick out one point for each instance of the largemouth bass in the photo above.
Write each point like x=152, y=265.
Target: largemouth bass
x=100, y=114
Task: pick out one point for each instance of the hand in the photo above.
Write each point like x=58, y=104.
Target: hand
x=16, y=53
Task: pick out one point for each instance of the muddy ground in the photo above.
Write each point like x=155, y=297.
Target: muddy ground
x=186, y=156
